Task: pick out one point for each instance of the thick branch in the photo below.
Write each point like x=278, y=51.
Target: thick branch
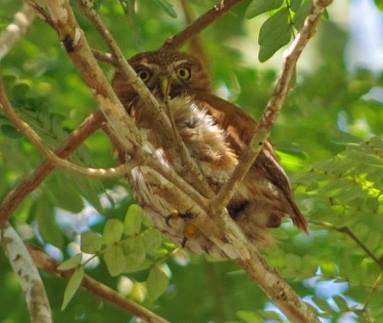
x=16, y=30
x=43, y=261
x=272, y=108
x=172, y=141
x=28, y=275
x=222, y=7
x=31, y=182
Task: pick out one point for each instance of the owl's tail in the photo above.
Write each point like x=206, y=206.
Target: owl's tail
x=297, y=216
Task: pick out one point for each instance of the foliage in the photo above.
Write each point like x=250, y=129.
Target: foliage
x=329, y=139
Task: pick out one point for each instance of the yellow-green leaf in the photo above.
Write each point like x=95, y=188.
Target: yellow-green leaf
x=72, y=286
x=133, y=220
x=91, y=242
x=112, y=231
x=71, y=263
x=157, y=283
x=115, y=259
x=256, y=7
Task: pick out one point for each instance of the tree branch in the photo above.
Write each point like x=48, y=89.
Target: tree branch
x=43, y=261
x=14, y=31
x=346, y=230
x=172, y=141
x=28, y=132
x=221, y=230
x=222, y=7
x=272, y=108
x=28, y=275
x=31, y=182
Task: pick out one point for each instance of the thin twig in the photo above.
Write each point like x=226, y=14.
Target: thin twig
x=195, y=45
x=171, y=139
x=32, y=135
x=346, y=230
x=272, y=108
x=28, y=275
x=31, y=182
x=222, y=7
x=221, y=230
x=43, y=261
x=104, y=57
x=14, y=31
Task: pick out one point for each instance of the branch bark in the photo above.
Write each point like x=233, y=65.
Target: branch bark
x=28, y=275
x=205, y=20
x=272, y=108
x=31, y=182
x=222, y=230
x=172, y=141
x=28, y=132
x=43, y=261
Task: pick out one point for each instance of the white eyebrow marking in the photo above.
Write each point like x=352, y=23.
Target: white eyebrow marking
x=182, y=61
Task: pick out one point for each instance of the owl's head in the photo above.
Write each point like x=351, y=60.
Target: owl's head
x=165, y=73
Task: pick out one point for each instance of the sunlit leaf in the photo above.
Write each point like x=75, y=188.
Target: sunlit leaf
x=157, y=283
x=72, y=286
x=133, y=220
x=91, y=242
x=274, y=34
x=257, y=7
x=113, y=230
x=115, y=259
x=71, y=263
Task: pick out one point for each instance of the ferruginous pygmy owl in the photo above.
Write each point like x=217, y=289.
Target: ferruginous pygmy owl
x=215, y=132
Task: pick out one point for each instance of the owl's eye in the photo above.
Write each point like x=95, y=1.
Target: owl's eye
x=144, y=74
x=184, y=73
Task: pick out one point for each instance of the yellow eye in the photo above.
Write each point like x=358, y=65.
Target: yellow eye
x=184, y=73
x=144, y=74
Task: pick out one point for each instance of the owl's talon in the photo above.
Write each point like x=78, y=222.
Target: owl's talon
x=186, y=216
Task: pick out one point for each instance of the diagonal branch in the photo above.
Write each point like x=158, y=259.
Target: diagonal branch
x=43, y=261
x=205, y=20
x=347, y=231
x=31, y=182
x=171, y=139
x=272, y=108
x=27, y=131
x=28, y=275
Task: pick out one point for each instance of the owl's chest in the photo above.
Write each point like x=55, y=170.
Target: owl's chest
x=205, y=140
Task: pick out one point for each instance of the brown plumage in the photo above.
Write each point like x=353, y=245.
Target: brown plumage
x=216, y=132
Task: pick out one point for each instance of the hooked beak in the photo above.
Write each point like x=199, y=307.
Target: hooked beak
x=165, y=87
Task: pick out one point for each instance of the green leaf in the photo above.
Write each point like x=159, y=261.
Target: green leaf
x=157, y=283
x=91, y=242
x=115, y=259
x=133, y=220
x=249, y=317
x=64, y=194
x=274, y=34
x=112, y=231
x=152, y=239
x=10, y=131
x=301, y=14
x=46, y=221
x=167, y=7
x=379, y=4
x=134, y=250
x=256, y=7
x=269, y=315
x=322, y=304
x=341, y=303
x=72, y=286
x=20, y=88
x=71, y=263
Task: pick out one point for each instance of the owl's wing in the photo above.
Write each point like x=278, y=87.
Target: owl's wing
x=240, y=128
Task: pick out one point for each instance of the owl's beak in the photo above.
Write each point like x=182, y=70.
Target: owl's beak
x=165, y=87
